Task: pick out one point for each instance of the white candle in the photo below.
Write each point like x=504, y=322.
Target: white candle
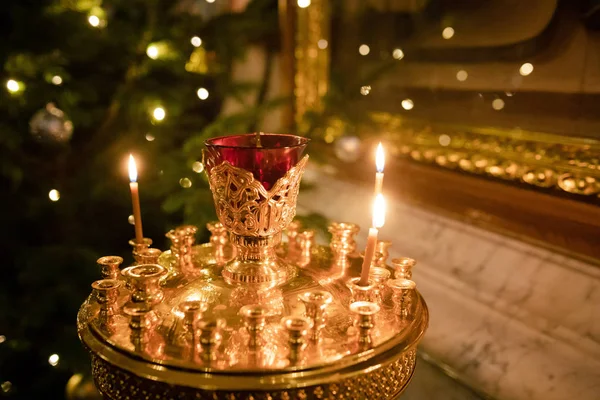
x=379, y=164
x=135, y=200
x=378, y=221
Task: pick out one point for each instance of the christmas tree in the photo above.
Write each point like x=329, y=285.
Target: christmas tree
x=86, y=83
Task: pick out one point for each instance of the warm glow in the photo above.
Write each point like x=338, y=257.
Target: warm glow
x=53, y=360
x=526, y=69
x=12, y=86
x=444, y=140
x=448, y=32
x=379, y=158
x=152, y=51
x=498, y=104
x=462, y=75
x=185, y=183
x=94, y=20
x=398, y=54
x=303, y=3
x=210, y=1
x=197, y=167
x=364, y=49
x=322, y=44
x=54, y=195
x=196, y=41
x=202, y=93
x=132, y=169
x=159, y=113
x=379, y=211
x=57, y=80
x=407, y=104
x=150, y=137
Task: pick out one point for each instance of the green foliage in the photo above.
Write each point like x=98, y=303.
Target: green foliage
x=109, y=89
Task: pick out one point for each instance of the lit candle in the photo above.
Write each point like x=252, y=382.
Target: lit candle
x=379, y=164
x=135, y=200
x=378, y=221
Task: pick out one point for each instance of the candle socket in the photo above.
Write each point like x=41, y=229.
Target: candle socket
x=297, y=329
x=210, y=338
x=365, y=312
x=255, y=319
x=342, y=242
x=137, y=246
x=109, y=267
x=219, y=239
x=305, y=240
x=382, y=248
x=182, y=240
x=188, y=313
x=378, y=277
x=106, y=292
x=293, y=248
x=403, y=291
x=316, y=303
x=360, y=292
x=146, y=256
x=403, y=267
x=139, y=324
x=145, y=283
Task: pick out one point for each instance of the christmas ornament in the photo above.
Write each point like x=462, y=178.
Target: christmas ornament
x=50, y=125
x=347, y=148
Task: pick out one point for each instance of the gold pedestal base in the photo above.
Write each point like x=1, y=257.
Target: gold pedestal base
x=256, y=262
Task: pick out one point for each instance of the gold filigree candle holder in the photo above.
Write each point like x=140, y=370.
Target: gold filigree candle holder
x=145, y=282
x=365, y=312
x=106, y=292
x=137, y=246
x=293, y=248
x=305, y=243
x=378, y=277
x=297, y=329
x=210, y=338
x=360, y=292
x=316, y=303
x=383, y=248
x=219, y=239
x=254, y=215
x=109, y=267
x=139, y=324
x=182, y=239
x=188, y=313
x=403, y=292
x=403, y=267
x=255, y=319
x=147, y=256
x=342, y=242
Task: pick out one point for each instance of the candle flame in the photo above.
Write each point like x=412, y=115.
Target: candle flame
x=379, y=158
x=379, y=211
x=132, y=169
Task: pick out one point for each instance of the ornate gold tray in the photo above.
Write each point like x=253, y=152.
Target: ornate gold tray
x=253, y=318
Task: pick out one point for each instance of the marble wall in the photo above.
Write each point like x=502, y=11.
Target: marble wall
x=514, y=320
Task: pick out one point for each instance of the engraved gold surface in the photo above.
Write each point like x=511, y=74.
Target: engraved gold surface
x=255, y=218
x=381, y=383
x=246, y=208
x=336, y=366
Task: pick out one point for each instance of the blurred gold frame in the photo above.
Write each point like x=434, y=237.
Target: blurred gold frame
x=539, y=159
